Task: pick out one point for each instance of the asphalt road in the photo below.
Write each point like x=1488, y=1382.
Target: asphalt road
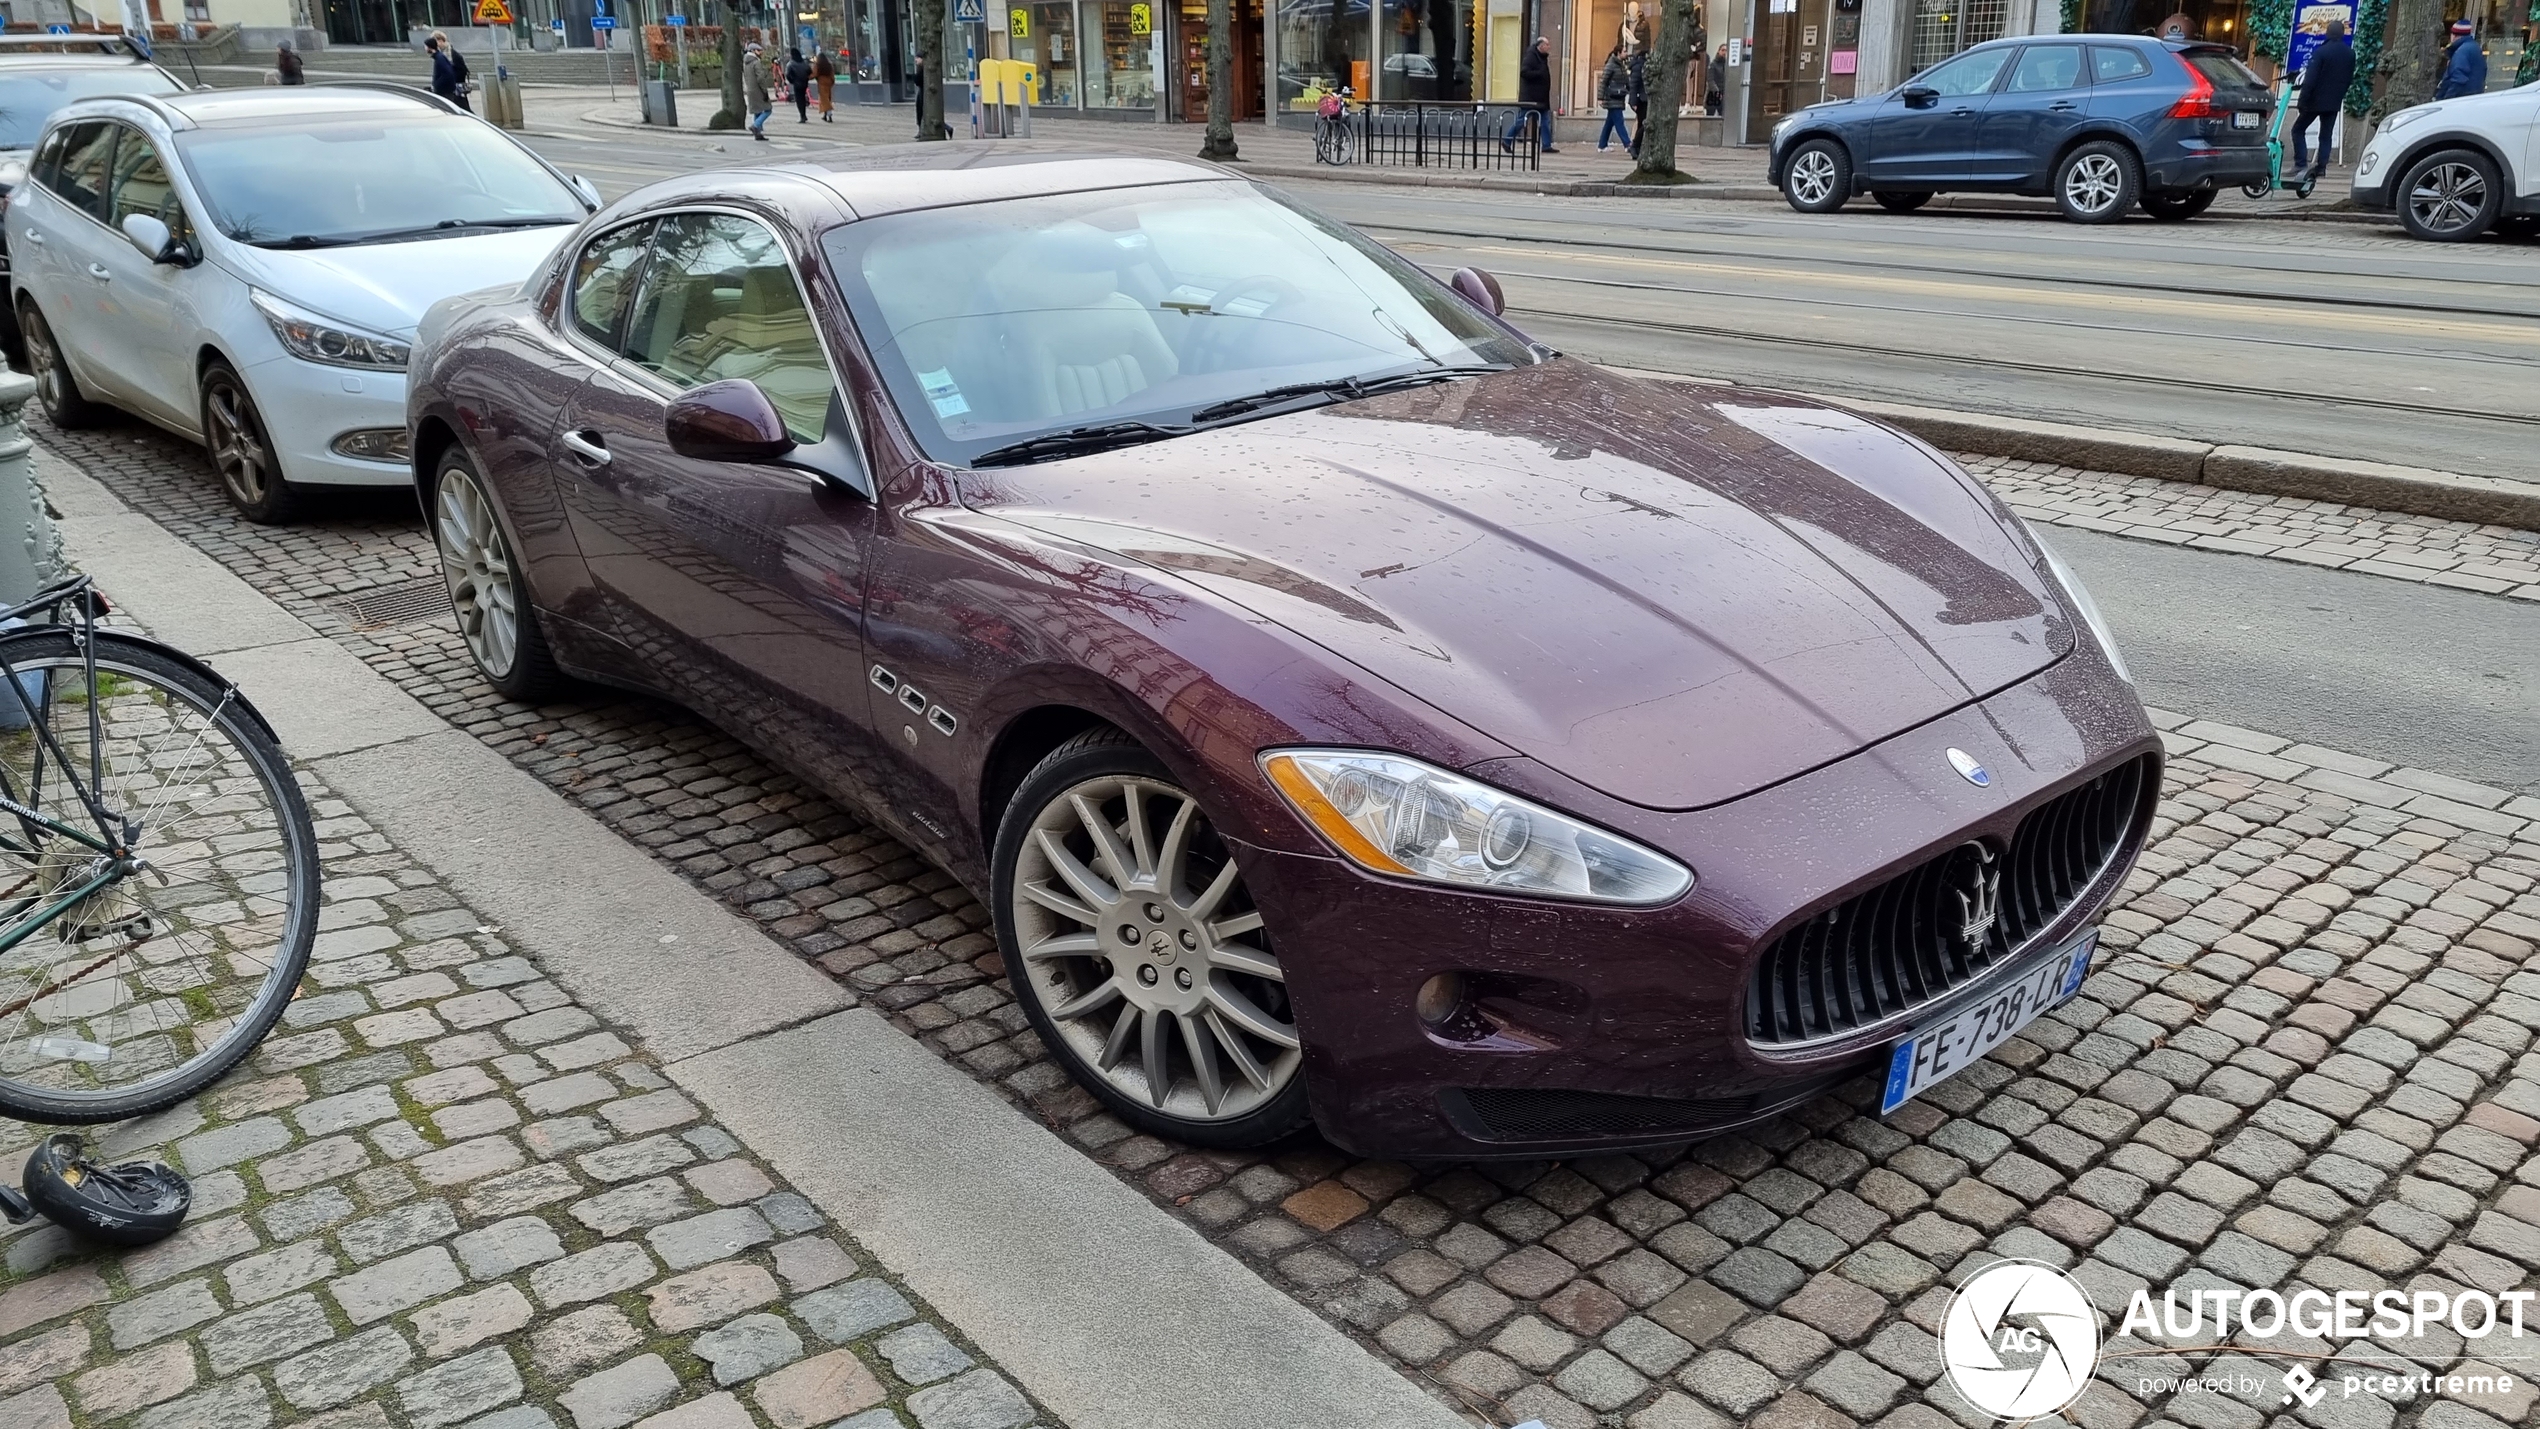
x=2144, y=327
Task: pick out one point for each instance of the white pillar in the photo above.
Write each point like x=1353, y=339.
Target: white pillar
x=1882, y=59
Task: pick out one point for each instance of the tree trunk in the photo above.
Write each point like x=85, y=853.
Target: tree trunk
x=730, y=115
x=2411, y=56
x=1219, y=142
x=927, y=18
x=1664, y=78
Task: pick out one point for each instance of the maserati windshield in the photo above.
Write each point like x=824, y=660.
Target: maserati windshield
x=997, y=324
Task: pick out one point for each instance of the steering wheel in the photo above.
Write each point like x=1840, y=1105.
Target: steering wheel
x=1217, y=341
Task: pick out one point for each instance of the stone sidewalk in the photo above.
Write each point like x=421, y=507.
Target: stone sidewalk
x=2305, y=1057
x=444, y=1194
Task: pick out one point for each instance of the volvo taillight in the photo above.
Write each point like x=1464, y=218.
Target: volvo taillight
x=2199, y=101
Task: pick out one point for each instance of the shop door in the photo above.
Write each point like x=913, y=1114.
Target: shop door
x=1193, y=50
x=1789, y=73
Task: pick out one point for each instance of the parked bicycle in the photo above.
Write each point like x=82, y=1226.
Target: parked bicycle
x=158, y=869
x=1334, y=143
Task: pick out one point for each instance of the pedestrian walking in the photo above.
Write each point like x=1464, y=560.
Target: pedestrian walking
x=449, y=69
x=798, y=83
x=286, y=62
x=2326, y=76
x=2465, y=65
x=1715, y=82
x=1534, y=97
x=1639, y=95
x=824, y=72
x=754, y=91
x=1614, y=91
x=917, y=78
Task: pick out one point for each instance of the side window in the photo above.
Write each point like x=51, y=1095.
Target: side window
x=2043, y=68
x=48, y=159
x=87, y=168
x=2109, y=66
x=1967, y=74
x=718, y=301
x=604, y=281
x=142, y=186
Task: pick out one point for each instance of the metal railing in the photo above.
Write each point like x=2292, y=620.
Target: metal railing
x=1435, y=134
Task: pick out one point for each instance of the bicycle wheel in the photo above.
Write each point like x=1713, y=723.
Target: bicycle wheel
x=144, y=954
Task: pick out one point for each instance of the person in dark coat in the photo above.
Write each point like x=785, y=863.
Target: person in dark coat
x=286, y=62
x=2325, y=79
x=1639, y=94
x=798, y=83
x=449, y=70
x=1614, y=91
x=1534, y=97
x=2464, y=65
x=1715, y=82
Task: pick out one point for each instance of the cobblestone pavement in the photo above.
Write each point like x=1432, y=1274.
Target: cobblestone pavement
x=2304, y=1056
x=443, y=1194
x=2493, y=560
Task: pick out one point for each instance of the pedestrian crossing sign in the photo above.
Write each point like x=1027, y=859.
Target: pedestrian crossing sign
x=970, y=12
x=493, y=12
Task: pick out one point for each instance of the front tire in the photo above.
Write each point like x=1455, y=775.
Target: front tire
x=1902, y=200
x=242, y=451
x=2450, y=196
x=2098, y=182
x=2176, y=205
x=496, y=618
x=1132, y=942
x=65, y=406
x=1819, y=178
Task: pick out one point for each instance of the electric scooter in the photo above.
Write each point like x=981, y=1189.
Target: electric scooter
x=2260, y=188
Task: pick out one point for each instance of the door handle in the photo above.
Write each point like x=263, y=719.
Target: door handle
x=101, y=272
x=2061, y=106
x=35, y=238
x=585, y=450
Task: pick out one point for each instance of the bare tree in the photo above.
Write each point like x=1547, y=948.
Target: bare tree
x=1665, y=79
x=2411, y=56
x=1219, y=141
x=730, y=115
x=927, y=16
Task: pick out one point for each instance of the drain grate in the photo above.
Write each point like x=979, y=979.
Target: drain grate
x=405, y=603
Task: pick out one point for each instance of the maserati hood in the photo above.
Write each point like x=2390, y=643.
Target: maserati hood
x=1673, y=594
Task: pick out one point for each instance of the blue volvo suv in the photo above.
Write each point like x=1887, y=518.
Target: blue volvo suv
x=2101, y=122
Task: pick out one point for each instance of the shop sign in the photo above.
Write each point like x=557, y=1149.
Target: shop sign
x=2310, y=29
x=1018, y=24
x=1142, y=18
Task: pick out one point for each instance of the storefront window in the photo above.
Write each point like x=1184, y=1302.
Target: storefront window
x=1122, y=76
x=866, y=40
x=1944, y=27
x=1322, y=46
x=1414, y=63
x=1051, y=44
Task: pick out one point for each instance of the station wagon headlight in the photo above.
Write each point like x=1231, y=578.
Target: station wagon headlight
x=313, y=337
x=1393, y=815
x=2078, y=595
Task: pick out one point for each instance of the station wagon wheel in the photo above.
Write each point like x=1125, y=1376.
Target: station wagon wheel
x=2098, y=182
x=487, y=595
x=65, y=406
x=1819, y=178
x=1134, y=945
x=241, y=451
x=2450, y=196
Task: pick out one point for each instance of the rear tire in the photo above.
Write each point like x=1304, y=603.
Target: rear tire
x=1819, y=179
x=1902, y=200
x=2177, y=205
x=2098, y=182
x=2450, y=196
x=65, y=406
x=242, y=451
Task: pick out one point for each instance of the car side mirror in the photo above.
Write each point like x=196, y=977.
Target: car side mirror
x=588, y=191
x=1920, y=96
x=151, y=236
x=1480, y=289
x=731, y=420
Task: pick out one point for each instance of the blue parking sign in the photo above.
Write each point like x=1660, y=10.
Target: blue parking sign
x=57, y=29
x=604, y=22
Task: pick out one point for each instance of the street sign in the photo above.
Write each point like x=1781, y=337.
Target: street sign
x=674, y=20
x=604, y=22
x=970, y=12
x=493, y=12
x=810, y=35
x=57, y=29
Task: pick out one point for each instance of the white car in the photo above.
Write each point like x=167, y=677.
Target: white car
x=247, y=267
x=2455, y=167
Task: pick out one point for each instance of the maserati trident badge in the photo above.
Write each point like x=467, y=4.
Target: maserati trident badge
x=1978, y=890
x=1969, y=770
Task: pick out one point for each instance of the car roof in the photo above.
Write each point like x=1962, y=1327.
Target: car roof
x=2143, y=41
x=898, y=178
x=209, y=108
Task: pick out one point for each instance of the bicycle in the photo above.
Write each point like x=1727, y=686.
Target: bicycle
x=1333, y=143
x=158, y=868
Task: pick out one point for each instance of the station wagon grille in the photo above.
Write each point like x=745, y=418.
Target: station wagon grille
x=1904, y=943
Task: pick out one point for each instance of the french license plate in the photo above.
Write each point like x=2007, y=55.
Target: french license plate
x=2244, y=120
x=1937, y=1052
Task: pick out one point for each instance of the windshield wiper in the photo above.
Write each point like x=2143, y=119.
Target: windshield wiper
x=1077, y=441
x=544, y=220
x=304, y=240
x=1344, y=388
x=395, y=235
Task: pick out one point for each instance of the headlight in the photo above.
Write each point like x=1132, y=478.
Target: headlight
x=313, y=338
x=1398, y=816
x=2404, y=118
x=2080, y=597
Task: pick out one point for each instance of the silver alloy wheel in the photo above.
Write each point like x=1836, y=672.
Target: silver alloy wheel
x=1165, y=989
x=2093, y=183
x=478, y=566
x=44, y=360
x=1812, y=176
x=2448, y=197
x=237, y=441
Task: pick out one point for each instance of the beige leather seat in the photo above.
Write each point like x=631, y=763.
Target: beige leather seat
x=1075, y=343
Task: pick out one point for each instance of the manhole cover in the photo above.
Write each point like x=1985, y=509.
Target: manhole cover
x=405, y=603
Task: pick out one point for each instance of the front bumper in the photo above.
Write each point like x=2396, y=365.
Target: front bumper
x=1591, y=1008
x=307, y=406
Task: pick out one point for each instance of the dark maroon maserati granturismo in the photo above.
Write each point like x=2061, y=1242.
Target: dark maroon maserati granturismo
x=1352, y=711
